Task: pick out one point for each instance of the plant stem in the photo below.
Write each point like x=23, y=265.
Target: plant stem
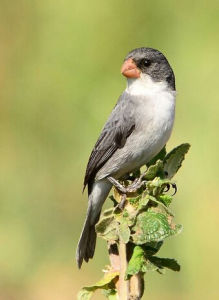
x=131, y=289
x=123, y=284
x=136, y=287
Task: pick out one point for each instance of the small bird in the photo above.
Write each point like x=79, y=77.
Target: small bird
x=137, y=129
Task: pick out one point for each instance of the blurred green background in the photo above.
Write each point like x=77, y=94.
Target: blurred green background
x=59, y=79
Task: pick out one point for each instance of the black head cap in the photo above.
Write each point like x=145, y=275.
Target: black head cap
x=152, y=62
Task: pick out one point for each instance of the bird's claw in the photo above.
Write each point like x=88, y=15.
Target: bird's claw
x=174, y=186
x=132, y=188
x=121, y=204
x=167, y=188
x=117, y=184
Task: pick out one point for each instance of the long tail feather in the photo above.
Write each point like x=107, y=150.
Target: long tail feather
x=87, y=241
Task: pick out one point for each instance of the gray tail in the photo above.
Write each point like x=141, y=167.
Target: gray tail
x=87, y=241
x=97, y=194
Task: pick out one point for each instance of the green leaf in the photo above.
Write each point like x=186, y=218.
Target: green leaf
x=110, y=294
x=154, y=170
x=108, y=212
x=108, y=278
x=148, y=266
x=126, y=216
x=169, y=263
x=152, y=248
x=166, y=199
x=107, y=228
x=111, y=197
x=105, y=283
x=154, y=263
x=174, y=159
x=125, y=213
x=161, y=155
x=152, y=227
x=136, y=262
x=157, y=185
x=134, y=201
x=143, y=202
x=85, y=294
x=160, y=203
x=158, y=182
x=124, y=231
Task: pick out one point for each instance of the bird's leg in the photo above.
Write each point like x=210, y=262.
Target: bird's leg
x=137, y=184
x=175, y=188
x=121, y=188
x=132, y=188
x=117, y=184
x=122, y=202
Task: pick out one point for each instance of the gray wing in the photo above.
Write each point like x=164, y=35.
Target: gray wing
x=117, y=129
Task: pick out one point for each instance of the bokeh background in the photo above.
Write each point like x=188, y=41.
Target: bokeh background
x=59, y=79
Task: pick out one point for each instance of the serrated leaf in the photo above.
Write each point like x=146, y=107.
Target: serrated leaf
x=161, y=155
x=107, y=228
x=86, y=292
x=169, y=263
x=124, y=231
x=152, y=227
x=136, y=262
x=154, y=170
x=174, y=159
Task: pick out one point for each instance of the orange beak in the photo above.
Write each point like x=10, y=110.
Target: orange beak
x=129, y=69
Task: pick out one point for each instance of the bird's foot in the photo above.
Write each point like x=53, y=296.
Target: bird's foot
x=118, y=185
x=121, y=204
x=173, y=185
x=136, y=184
x=131, y=188
x=121, y=189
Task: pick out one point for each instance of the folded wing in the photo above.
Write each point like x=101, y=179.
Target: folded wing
x=116, y=131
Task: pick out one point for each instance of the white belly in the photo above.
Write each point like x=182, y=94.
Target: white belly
x=153, y=131
x=155, y=111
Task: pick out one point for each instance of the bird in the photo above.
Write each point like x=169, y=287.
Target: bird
x=137, y=129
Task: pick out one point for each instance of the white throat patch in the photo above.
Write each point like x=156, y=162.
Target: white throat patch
x=144, y=85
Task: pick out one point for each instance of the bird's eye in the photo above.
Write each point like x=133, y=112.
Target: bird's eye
x=146, y=62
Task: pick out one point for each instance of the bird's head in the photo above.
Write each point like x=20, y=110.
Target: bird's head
x=148, y=62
